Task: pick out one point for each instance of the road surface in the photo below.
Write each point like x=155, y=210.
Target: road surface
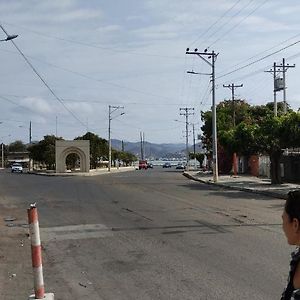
x=148, y=234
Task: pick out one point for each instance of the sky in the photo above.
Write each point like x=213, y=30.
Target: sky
x=78, y=57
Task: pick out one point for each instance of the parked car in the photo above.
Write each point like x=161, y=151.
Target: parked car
x=149, y=165
x=16, y=168
x=166, y=165
x=180, y=167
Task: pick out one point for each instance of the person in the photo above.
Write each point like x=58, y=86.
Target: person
x=291, y=229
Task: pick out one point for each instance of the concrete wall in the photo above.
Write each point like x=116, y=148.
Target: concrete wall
x=79, y=147
x=264, y=166
x=291, y=168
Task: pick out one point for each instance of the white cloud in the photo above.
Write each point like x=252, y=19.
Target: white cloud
x=37, y=105
x=256, y=23
x=78, y=14
x=109, y=29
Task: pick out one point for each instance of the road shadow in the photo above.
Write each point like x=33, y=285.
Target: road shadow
x=228, y=192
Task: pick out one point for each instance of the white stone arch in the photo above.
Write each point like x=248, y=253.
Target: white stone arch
x=79, y=147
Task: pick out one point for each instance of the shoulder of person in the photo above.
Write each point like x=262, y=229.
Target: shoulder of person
x=296, y=295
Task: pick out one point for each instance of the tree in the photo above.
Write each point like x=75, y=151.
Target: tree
x=257, y=130
x=98, y=148
x=270, y=136
x=17, y=146
x=225, y=121
x=44, y=151
x=198, y=156
x=125, y=157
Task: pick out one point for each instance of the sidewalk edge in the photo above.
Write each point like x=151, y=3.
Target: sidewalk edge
x=248, y=190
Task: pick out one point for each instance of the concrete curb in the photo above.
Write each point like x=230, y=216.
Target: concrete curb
x=91, y=173
x=248, y=190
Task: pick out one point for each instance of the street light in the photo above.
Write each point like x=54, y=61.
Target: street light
x=111, y=109
x=9, y=37
x=210, y=59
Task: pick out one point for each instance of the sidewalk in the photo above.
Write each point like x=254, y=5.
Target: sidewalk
x=245, y=183
x=93, y=172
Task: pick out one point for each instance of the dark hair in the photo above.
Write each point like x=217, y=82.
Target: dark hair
x=292, y=205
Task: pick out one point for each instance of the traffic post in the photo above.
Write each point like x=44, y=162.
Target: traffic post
x=36, y=256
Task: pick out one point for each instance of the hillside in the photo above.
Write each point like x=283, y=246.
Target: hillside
x=167, y=150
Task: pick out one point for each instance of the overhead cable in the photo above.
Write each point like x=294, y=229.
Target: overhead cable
x=237, y=24
x=258, y=60
x=42, y=79
x=216, y=22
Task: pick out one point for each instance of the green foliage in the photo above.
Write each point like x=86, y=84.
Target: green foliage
x=225, y=119
x=257, y=130
x=17, y=146
x=198, y=156
x=126, y=157
x=44, y=151
x=98, y=148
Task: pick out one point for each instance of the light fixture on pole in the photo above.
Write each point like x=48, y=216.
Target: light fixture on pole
x=213, y=57
x=9, y=37
x=111, y=109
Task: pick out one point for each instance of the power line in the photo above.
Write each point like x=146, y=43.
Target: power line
x=42, y=79
x=237, y=24
x=90, y=45
x=258, y=60
x=216, y=22
x=259, y=53
x=102, y=81
x=228, y=21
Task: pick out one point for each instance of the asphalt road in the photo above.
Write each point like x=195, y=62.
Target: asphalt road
x=148, y=234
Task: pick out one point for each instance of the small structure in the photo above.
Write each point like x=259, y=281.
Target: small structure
x=21, y=157
x=79, y=147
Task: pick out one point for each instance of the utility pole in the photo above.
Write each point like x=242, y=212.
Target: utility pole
x=285, y=67
x=144, y=156
x=194, y=145
x=186, y=114
x=2, y=155
x=213, y=57
x=111, y=109
x=142, y=149
x=30, y=167
x=56, y=126
x=232, y=87
x=280, y=83
x=30, y=136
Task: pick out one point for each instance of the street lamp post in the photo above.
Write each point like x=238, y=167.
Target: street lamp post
x=111, y=109
x=206, y=56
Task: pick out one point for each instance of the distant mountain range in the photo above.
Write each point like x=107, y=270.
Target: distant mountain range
x=155, y=151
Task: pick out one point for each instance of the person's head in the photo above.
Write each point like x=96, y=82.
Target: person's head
x=291, y=218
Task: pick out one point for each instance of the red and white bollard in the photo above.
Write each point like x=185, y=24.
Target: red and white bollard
x=36, y=255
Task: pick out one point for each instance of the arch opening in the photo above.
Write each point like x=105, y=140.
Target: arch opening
x=72, y=156
x=73, y=162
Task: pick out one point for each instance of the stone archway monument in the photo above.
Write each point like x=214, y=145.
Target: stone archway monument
x=79, y=147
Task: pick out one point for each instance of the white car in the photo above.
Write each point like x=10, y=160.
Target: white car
x=16, y=168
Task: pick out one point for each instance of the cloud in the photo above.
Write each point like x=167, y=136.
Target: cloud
x=255, y=23
x=37, y=105
x=80, y=108
x=157, y=32
x=78, y=14
x=109, y=29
